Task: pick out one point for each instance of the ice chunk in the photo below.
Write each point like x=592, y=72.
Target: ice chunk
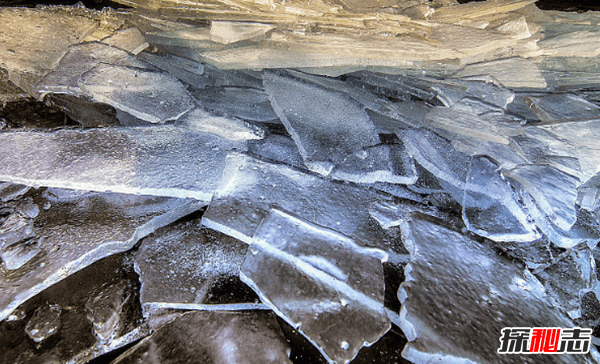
x=438, y=157
x=277, y=148
x=164, y=161
x=224, y=337
x=185, y=70
x=34, y=40
x=394, y=86
x=105, y=308
x=502, y=154
x=231, y=32
x=242, y=102
x=251, y=187
x=44, y=323
x=554, y=191
x=79, y=59
x=382, y=163
x=456, y=285
x=562, y=107
x=11, y=191
x=131, y=40
x=465, y=123
x=515, y=27
x=69, y=245
x=588, y=196
x=569, y=277
x=572, y=44
x=321, y=282
x=479, y=87
x=152, y=96
x=490, y=207
x=84, y=111
x=18, y=254
x=185, y=263
x=510, y=72
x=324, y=135
x=16, y=228
x=229, y=128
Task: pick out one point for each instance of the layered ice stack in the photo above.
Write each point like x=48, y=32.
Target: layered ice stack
x=330, y=181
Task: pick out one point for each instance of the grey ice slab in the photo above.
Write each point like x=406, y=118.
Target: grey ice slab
x=77, y=230
x=459, y=294
x=183, y=263
x=327, y=126
x=382, y=163
x=152, y=96
x=164, y=160
x=79, y=59
x=561, y=107
x=214, y=337
x=250, y=188
x=321, y=282
x=190, y=72
x=570, y=276
x=502, y=154
x=490, y=207
x=277, y=148
x=242, y=102
x=452, y=91
x=466, y=123
x=554, y=191
x=438, y=157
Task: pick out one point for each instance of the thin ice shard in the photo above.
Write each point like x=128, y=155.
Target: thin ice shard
x=457, y=285
x=321, y=282
x=227, y=32
x=190, y=72
x=313, y=116
x=277, y=148
x=510, y=72
x=382, y=163
x=554, y=191
x=490, y=207
x=465, y=123
x=188, y=265
x=562, y=107
x=251, y=187
x=152, y=96
x=242, y=102
x=225, y=338
x=67, y=246
x=163, y=161
x=130, y=40
x=226, y=127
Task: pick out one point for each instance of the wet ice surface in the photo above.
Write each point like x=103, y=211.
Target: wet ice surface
x=336, y=298
x=428, y=173
x=225, y=337
x=167, y=161
x=457, y=285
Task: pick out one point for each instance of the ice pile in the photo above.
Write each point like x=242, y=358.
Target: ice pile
x=297, y=182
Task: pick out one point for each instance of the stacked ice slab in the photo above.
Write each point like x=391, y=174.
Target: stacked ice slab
x=297, y=181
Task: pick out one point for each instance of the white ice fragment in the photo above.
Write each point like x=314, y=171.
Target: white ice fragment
x=229, y=128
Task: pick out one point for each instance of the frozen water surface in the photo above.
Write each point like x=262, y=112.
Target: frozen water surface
x=321, y=282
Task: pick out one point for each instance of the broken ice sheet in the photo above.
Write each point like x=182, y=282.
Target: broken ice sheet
x=188, y=264
x=326, y=126
x=109, y=289
x=231, y=32
x=33, y=40
x=466, y=123
x=79, y=59
x=130, y=40
x=562, y=107
x=75, y=230
x=277, y=148
x=510, y=72
x=321, y=282
x=233, y=129
x=459, y=286
x=490, y=206
x=152, y=96
x=438, y=157
x=554, y=191
x=250, y=188
x=163, y=160
x=569, y=277
x=382, y=163
x=242, y=102
x=252, y=337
